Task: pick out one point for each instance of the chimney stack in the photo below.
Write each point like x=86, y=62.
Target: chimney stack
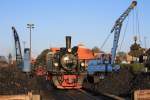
x=68, y=42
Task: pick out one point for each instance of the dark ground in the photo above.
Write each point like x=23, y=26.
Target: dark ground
x=122, y=83
x=13, y=81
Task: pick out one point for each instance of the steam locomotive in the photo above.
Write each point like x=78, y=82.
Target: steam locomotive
x=64, y=67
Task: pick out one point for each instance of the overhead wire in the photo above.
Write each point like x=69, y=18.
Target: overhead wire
x=124, y=33
x=105, y=41
x=137, y=25
x=133, y=25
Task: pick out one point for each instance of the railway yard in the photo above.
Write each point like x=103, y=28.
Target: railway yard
x=18, y=83
x=21, y=84
x=76, y=72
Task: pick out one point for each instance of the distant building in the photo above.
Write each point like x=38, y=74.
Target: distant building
x=3, y=61
x=54, y=49
x=99, y=54
x=33, y=61
x=83, y=52
x=129, y=58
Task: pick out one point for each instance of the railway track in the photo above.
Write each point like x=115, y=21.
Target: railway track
x=78, y=94
x=81, y=95
x=101, y=96
x=67, y=95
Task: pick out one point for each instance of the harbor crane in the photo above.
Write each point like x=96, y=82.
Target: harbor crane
x=117, y=28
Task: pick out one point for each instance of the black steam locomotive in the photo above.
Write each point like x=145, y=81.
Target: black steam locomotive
x=65, y=68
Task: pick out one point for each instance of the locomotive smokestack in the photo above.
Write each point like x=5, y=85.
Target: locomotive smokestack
x=68, y=42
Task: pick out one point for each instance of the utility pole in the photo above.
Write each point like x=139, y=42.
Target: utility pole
x=30, y=26
x=24, y=44
x=145, y=38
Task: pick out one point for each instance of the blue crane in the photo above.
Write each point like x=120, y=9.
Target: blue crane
x=107, y=65
x=117, y=28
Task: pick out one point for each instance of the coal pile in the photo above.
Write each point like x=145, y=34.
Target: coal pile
x=117, y=83
x=123, y=83
x=13, y=81
x=141, y=81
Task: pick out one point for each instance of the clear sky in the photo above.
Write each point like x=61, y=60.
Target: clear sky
x=87, y=21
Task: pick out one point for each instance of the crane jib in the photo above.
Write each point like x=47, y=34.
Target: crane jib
x=117, y=28
x=19, y=59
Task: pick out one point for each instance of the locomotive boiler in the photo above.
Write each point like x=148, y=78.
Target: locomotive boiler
x=64, y=67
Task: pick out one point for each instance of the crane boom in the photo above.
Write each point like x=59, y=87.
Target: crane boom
x=117, y=28
x=19, y=59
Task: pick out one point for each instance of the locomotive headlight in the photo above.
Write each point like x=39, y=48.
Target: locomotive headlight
x=69, y=50
x=55, y=64
x=66, y=58
x=82, y=64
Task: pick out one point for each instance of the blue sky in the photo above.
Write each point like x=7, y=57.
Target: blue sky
x=87, y=21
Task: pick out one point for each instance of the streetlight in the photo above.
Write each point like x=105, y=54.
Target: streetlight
x=30, y=26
